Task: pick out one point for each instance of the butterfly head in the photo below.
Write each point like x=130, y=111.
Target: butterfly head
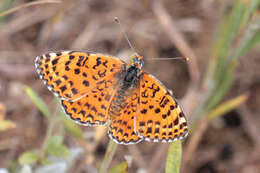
x=136, y=60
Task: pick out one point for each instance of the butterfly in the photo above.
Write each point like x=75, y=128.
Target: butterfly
x=96, y=89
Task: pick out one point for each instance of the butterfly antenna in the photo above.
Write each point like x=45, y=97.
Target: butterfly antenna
x=123, y=31
x=181, y=58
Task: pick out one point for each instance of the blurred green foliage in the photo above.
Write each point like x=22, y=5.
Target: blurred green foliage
x=120, y=168
x=237, y=34
x=53, y=145
x=4, y=6
x=28, y=157
x=6, y=124
x=56, y=147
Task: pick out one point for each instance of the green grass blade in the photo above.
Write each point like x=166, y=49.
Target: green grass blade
x=219, y=62
x=222, y=88
x=173, y=161
x=37, y=101
x=120, y=168
x=224, y=70
x=250, y=38
x=251, y=9
x=227, y=106
x=232, y=26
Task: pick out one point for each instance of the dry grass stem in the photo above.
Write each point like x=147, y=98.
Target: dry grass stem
x=193, y=141
x=22, y=22
x=14, y=9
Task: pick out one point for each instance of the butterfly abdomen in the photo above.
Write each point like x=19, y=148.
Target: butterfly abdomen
x=118, y=103
x=129, y=81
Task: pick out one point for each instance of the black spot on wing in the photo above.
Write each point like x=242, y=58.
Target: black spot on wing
x=98, y=62
x=55, y=61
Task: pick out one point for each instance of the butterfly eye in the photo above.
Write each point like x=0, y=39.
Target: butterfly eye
x=138, y=61
x=141, y=62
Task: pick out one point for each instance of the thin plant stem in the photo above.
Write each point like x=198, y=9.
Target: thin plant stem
x=50, y=128
x=52, y=121
x=110, y=152
x=28, y=5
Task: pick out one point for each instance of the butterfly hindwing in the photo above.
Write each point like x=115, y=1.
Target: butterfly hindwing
x=72, y=74
x=159, y=118
x=92, y=109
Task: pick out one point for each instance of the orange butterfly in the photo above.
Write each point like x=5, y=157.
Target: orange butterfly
x=96, y=89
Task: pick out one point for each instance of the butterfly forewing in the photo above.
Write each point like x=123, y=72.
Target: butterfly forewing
x=71, y=74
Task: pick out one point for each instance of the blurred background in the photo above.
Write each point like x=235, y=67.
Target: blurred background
x=218, y=88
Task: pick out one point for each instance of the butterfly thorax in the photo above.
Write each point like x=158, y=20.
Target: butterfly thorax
x=132, y=73
x=131, y=77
